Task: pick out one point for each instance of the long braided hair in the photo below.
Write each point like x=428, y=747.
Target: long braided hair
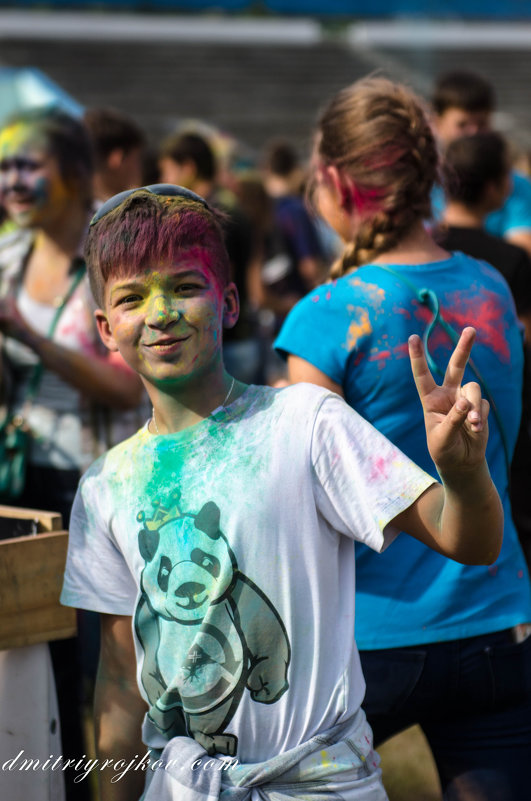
x=377, y=135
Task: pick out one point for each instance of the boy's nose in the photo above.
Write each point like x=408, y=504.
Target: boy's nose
x=161, y=312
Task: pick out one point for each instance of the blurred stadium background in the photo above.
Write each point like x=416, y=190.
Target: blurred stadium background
x=263, y=70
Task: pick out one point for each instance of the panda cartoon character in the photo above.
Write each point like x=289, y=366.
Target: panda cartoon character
x=207, y=631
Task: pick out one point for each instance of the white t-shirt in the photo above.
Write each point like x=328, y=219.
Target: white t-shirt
x=230, y=544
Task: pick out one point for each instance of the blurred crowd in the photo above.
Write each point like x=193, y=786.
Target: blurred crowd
x=55, y=171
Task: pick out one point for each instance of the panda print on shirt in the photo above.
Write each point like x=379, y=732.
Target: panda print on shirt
x=207, y=631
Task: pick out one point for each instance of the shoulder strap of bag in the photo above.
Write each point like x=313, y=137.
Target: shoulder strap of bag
x=427, y=297
x=39, y=368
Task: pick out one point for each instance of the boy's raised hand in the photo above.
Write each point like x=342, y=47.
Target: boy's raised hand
x=455, y=416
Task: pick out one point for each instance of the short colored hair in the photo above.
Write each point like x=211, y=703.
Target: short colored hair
x=148, y=229
x=183, y=147
x=110, y=129
x=471, y=163
x=463, y=90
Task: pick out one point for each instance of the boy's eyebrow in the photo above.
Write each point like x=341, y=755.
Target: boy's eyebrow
x=140, y=284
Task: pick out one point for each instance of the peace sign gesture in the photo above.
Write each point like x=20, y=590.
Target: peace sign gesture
x=455, y=416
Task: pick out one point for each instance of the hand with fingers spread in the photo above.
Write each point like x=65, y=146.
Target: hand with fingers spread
x=462, y=519
x=455, y=416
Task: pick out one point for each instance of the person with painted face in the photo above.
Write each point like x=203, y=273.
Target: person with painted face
x=217, y=541
x=441, y=644
x=45, y=188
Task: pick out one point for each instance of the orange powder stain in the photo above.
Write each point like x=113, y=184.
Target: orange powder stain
x=358, y=328
x=376, y=293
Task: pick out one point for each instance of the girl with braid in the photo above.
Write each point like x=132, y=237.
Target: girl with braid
x=442, y=645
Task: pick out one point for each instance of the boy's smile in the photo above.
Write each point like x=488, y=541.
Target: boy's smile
x=167, y=321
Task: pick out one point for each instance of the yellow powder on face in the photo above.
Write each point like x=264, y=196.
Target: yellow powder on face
x=18, y=136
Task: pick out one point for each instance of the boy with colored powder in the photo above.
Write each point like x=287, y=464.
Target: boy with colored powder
x=217, y=540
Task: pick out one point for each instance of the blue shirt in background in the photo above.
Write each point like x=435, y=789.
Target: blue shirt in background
x=355, y=330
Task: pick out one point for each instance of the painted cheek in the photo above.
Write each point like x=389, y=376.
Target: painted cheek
x=124, y=329
x=40, y=188
x=55, y=189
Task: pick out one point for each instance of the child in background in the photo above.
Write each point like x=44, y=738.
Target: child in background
x=217, y=541
x=463, y=104
x=440, y=642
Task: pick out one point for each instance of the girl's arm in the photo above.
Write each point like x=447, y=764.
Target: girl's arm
x=105, y=379
x=299, y=370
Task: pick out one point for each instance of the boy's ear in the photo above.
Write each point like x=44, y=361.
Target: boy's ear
x=231, y=306
x=104, y=330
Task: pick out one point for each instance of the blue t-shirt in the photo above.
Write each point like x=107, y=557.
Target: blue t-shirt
x=355, y=330
x=513, y=216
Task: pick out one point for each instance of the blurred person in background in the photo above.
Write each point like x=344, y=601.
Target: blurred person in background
x=273, y=285
x=46, y=190
x=284, y=181
x=463, y=103
x=477, y=181
x=443, y=645
x=187, y=159
x=118, y=145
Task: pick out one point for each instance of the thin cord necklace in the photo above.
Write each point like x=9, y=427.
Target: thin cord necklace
x=227, y=396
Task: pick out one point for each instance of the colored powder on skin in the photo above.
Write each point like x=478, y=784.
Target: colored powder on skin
x=18, y=137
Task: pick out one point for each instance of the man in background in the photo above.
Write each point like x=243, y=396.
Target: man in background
x=119, y=145
x=463, y=103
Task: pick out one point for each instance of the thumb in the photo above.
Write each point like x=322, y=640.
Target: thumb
x=457, y=415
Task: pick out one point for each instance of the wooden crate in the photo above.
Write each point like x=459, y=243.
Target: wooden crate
x=31, y=577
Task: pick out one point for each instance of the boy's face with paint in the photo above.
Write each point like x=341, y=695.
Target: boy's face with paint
x=32, y=189
x=167, y=321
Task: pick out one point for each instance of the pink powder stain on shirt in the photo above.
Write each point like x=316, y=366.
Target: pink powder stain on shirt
x=484, y=312
x=404, y=312
x=382, y=356
x=493, y=569
x=379, y=469
x=315, y=299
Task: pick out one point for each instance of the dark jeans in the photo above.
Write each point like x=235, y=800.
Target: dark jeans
x=472, y=699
